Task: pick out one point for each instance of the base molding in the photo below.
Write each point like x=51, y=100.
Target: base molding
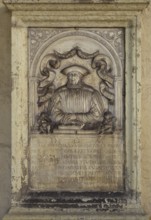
x=46, y=214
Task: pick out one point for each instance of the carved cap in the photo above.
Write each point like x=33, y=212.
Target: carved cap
x=75, y=68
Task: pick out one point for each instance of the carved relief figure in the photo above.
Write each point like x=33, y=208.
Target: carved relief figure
x=76, y=103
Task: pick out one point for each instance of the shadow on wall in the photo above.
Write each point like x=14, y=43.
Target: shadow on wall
x=5, y=108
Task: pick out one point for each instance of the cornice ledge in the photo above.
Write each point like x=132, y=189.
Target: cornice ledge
x=80, y=5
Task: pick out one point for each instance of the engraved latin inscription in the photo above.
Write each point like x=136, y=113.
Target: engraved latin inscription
x=76, y=163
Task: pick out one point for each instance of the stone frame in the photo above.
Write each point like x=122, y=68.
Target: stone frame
x=126, y=14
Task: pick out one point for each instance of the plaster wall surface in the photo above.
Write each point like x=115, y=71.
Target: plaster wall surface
x=5, y=109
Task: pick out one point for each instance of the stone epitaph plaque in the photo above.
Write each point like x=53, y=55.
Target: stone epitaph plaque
x=76, y=72
x=76, y=110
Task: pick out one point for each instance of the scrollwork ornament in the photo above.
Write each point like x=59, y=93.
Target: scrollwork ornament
x=45, y=88
x=103, y=65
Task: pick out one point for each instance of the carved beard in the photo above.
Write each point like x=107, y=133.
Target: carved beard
x=74, y=86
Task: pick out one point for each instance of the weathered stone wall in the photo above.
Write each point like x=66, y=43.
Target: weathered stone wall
x=146, y=109
x=5, y=109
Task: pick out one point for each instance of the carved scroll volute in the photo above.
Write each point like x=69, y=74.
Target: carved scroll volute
x=45, y=87
x=103, y=67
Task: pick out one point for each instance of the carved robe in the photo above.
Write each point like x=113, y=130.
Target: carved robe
x=72, y=105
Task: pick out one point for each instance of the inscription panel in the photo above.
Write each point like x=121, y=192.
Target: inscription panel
x=77, y=163
x=76, y=109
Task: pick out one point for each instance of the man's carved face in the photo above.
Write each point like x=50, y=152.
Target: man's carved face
x=74, y=78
